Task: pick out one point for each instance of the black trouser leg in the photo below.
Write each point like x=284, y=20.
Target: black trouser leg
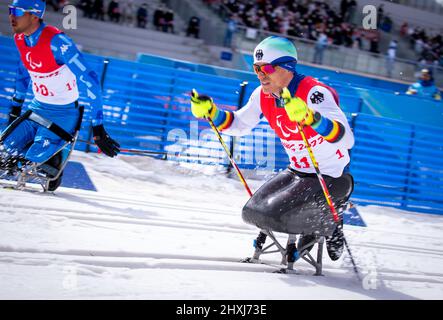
x=56, y=162
x=293, y=203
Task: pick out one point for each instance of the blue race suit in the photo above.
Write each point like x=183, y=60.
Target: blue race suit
x=33, y=141
x=425, y=88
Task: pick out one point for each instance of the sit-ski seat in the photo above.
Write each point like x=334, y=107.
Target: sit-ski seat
x=48, y=173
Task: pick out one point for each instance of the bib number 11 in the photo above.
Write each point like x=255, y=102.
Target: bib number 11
x=303, y=163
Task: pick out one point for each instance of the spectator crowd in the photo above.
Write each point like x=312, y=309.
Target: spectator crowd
x=314, y=20
x=128, y=12
x=311, y=20
x=428, y=46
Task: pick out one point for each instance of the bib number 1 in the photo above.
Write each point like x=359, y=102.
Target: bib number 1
x=303, y=163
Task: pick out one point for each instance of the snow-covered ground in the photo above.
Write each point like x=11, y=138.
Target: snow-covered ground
x=159, y=230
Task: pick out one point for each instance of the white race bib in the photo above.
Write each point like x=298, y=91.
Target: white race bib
x=58, y=87
x=332, y=158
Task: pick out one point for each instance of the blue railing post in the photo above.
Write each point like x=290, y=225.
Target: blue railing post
x=352, y=125
x=171, y=96
x=240, y=102
x=405, y=198
x=102, y=81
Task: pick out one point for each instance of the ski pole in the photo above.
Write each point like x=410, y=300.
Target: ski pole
x=137, y=151
x=231, y=159
x=319, y=175
x=326, y=194
x=261, y=238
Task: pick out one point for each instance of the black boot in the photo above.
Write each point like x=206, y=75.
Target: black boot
x=303, y=240
x=55, y=163
x=258, y=245
x=260, y=241
x=54, y=184
x=292, y=254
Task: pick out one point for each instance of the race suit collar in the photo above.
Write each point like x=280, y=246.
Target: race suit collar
x=427, y=83
x=32, y=39
x=292, y=86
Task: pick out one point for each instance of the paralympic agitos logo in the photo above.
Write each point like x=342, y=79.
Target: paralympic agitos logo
x=285, y=130
x=32, y=64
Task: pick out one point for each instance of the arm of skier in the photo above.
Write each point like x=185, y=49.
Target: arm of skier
x=22, y=80
x=66, y=52
x=234, y=123
x=321, y=113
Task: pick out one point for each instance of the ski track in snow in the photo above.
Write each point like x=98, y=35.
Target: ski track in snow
x=177, y=234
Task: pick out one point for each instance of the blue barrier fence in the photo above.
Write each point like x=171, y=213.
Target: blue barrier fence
x=397, y=163
x=146, y=106
x=362, y=94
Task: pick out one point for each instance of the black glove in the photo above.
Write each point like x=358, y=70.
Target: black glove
x=107, y=145
x=14, y=113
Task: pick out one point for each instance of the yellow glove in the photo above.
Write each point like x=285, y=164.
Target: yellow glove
x=202, y=106
x=297, y=109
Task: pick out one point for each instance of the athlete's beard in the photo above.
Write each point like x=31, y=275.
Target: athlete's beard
x=268, y=85
x=272, y=87
x=26, y=29
x=25, y=25
x=17, y=29
x=276, y=82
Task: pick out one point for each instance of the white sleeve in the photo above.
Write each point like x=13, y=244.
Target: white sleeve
x=321, y=99
x=247, y=117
